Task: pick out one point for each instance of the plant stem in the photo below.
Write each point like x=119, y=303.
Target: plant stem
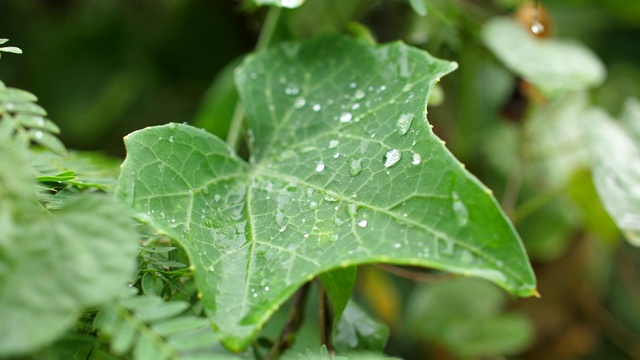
x=294, y=321
x=266, y=34
x=324, y=318
x=417, y=276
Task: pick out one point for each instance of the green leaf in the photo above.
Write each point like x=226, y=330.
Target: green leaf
x=553, y=65
x=338, y=284
x=616, y=171
x=357, y=330
x=345, y=170
x=52, y=266
x=290, y=4
x=419, y=7
x=630, y=117
x=11, y=49
x=469, y=326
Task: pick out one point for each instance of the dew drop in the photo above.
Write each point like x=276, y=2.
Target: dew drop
x=333, y=144
x=537, y=27
x=353, y=85
x=255, y=295
x=329, y=198
x=383, y=88
x=266, y=288
x=416, y=159
x=299, y=103
x=211, y=268
x=407, y=87
x=320, y=166
x=460, y=210
x=336, y=155
x=313, y=205
x=392, y=157
x=306, y=236
x=397, y=246
x=355, y=167
x=292, y=89
x=355, y=106
x=363, y=223
x=282, y=229
x=38, y=134
x=170, y=138
x=316, y=107
x=216, y=197
x=359, y=94
x=404, y=123
x=345, y=117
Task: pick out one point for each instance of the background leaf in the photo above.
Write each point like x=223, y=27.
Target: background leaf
x=553, y=65
x=344, y=170
x=616, y=172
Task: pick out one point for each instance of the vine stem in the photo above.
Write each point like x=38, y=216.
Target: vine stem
x=293, y=323
x=266, y=34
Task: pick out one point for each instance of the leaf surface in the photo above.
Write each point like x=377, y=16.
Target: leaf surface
x=344, y=170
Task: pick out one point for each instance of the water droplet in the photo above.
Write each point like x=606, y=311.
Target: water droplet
x=416, y=159
x=38, y=134
x=329, y=198
x=216, y=197
x=445, y=246
x=316, y=107
x=333, y=143
x=359, y=94
x=363, y=223
x=355, y=167
x=211, y=268
x=313, y=205
x=397, y=246
x=345, y=117
x=407, y=87
x=404, y=123
x=266, y=288
x=537, y=27
x=279, y=218
x=306, y=236
x=292, y=89
x=353, y=85
x=354, y=195
x=282, y=229
x=353, y=209
x=336, y=155
x=170, y=138
x=299, y=103
x=459, y=210
x=355, y=106
x=319, y=166
x=392, y=157
x=383, y=88
x=255, y=295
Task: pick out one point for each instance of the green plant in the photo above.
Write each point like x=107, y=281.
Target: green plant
x=245, y=247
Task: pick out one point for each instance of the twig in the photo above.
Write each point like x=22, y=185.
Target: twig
x=417, y=276
x=325, y=319
x=294, y=321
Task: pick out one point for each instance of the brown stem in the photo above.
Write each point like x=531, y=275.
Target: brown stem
x=417, y=276
x=325, y=320
x=293, y=323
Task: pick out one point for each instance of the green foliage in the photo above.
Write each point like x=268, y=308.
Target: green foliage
x=253, y=244
x=148, y=328
x=304, y=204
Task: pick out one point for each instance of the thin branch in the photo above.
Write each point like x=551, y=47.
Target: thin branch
x=414, y=275
x=325, y=318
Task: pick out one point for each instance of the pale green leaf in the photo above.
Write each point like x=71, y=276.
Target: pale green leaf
x=345, y=170
x=11, y=49
x=616, y=171
x=42, y=289
x=357, y=330
x=630, y=117
x=338, y=284
x=553, y=65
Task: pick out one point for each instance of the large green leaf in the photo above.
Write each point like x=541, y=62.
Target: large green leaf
x=616, y=171
x=553, y=65
x=52, y=266
x=344, y=170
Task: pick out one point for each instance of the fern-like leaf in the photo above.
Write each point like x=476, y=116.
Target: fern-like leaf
x=24, y=121
x=148, y=328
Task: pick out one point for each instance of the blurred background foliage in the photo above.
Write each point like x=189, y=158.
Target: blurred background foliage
x=105, y=68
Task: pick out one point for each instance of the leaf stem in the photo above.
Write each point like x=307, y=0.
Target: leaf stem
x=266, y=34
x=293, y=323
x=324, y=318
x=417, y=276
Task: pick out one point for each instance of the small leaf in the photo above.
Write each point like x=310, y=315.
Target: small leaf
x=553, y=65
x=616, y=171
x=357, y=330
x=16, y=96
x=419, y=7
x=339, y=284
x=37, y=122
x=48, y=141
x=11, y=49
